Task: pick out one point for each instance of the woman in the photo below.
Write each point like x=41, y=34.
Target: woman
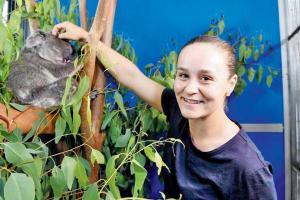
x=218, y=161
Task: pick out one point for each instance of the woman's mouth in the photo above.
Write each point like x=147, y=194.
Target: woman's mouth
x=192, y=101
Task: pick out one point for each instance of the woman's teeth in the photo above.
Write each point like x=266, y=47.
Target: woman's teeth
x=191, y=101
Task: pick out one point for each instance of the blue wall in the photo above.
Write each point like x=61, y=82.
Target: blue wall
x=157, y=26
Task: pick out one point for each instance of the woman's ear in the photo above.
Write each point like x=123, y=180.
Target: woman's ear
x=231, y=84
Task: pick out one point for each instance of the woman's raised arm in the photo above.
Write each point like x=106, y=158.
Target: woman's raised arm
x=122, y=69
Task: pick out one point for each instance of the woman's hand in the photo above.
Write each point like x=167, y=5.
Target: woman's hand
x=67, y=30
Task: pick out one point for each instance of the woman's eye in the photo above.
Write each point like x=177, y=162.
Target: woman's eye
x=205, y=78
x=183, y=76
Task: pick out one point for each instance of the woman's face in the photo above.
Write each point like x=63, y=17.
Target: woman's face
x=202, y=80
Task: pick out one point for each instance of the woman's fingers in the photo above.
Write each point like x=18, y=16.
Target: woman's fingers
x=58, y=27
x=67, y=30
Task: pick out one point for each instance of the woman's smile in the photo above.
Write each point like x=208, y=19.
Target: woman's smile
x=192, y=101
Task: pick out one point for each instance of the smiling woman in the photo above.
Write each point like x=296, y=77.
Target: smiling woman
x=206, y=73
x=219, y=160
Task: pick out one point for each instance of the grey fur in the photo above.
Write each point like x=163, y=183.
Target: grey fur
x=39, y=76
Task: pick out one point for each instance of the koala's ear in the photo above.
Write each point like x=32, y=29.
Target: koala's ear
x=35, y=39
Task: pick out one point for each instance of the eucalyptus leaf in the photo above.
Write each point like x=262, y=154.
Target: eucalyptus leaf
x=123, y=139
x=251, y=74
x=97, y=156
x=16, y=153
x=221, y=26
x=119, y=100
x=269, y=80
x=107, y=118
x=256, y=54
x=259, y=74
x=19, y=187
x=140, y=174
x=91, y=193
x=242, y=50
x=68, y=166
x=58, y=182
x=81, y=90
x=80, y=173
x=76, y=117
x=60, y=127
x=111, y=174
x=19, y=107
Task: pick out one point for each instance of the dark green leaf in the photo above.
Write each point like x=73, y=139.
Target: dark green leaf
x=240, y=86
x=111, y=174
x=122, y=181
x=115, y=129
x=248, y=53
x=119, y=100
x=107, y=118
x=241, y=70
x=259, y=74
x=80, y=174
x=251, y=74
x=81, y=90
x=140, y=174
x=256, y=54
x=269, y=80
x=67, y=90
x=60, y=127
x=76, y=117
x=146, y=120
x=123, y=139
x=242, y=50
x=19, y=107
x=57, y=182
x=91, y=193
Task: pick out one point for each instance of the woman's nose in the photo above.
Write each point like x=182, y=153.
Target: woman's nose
x=192, y=87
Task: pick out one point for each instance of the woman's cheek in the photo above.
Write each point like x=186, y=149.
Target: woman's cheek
x=176, y=86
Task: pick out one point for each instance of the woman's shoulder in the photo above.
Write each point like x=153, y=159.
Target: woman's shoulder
x=248, y=157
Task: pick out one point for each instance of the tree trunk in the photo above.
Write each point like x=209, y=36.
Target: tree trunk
x=91, y=135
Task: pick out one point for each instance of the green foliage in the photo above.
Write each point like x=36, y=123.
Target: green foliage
x=19, y=187
x=49, y=12
x=249, y=50
x=27, y=169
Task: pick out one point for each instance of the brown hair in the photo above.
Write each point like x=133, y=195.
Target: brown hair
x=228, y=49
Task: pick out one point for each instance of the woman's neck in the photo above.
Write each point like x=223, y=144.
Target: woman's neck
x=212, y=131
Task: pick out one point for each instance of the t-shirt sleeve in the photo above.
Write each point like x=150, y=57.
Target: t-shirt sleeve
x=169, y=103
x=259, y=185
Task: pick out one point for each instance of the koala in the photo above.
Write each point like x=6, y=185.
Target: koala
x=39, y=76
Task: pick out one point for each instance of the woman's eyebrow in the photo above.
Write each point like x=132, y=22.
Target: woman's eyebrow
x=181, y=68
x=204, y=71
x=201, y=71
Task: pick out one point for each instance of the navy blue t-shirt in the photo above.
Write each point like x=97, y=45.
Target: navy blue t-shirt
x=235, y=170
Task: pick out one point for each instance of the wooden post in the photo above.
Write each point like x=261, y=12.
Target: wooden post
x=83, y=15
x=104, y=16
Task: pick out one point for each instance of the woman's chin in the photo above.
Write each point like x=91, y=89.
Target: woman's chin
x=191, y=114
